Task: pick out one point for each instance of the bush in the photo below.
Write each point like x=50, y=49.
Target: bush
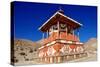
x=22, y=53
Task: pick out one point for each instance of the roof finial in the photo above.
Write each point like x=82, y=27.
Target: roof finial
x=60, y=10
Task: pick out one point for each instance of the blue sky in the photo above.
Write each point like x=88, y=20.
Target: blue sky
x=29, y=16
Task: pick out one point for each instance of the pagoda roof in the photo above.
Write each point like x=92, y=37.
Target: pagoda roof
x=61, y=18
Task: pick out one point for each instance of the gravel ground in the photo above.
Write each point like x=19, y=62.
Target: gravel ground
x=90, y=57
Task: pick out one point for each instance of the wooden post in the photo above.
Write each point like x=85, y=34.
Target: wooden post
x=52, y=29
x=45, y=59
x=55, y=59
x=63, y=58
x=41, y=59
x=58, y=28
x=51, y=59
x=47, y=33
x=73, y=35
x=66, y=32
x=43, y=36
x=80, y=55
x=48, y=59
x=74, y=56
x=59, y=59
x=67, y=57
x=78, y=34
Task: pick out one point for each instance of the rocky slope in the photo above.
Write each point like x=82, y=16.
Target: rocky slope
x=91, y=45
x=24, y=51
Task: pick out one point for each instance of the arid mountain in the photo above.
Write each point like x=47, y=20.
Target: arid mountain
x=24, y=51
x=91, y=45
x=27, y=43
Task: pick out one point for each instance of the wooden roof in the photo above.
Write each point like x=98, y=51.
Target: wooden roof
x=62, y=19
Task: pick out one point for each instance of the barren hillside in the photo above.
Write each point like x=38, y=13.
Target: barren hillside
x=91, y=44
x=25, y=51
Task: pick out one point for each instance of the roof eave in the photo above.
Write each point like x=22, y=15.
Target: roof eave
x=62, y=15
x=48, y=20
x=71, y=19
